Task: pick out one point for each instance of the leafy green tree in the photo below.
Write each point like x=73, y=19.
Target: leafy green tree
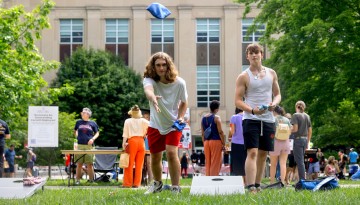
x=314, y=48
x=22, y=66
x=104, y=84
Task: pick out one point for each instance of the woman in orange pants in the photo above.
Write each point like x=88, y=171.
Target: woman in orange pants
x=135, y=129
x=214, y=144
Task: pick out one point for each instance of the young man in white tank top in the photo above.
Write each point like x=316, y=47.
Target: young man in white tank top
x=258, y=85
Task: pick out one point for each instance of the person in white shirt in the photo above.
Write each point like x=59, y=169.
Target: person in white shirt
x=135, y=129
x=167, y=96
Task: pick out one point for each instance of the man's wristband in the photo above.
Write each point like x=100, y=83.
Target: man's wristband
x=252, y=111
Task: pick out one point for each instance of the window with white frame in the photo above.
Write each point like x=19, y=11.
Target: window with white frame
x=71, y=36
x=162, y=36
x=117, y=37
x=207, y=61
x=248, y=38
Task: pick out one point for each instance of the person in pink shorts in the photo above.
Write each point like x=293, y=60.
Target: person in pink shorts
x=281, y=148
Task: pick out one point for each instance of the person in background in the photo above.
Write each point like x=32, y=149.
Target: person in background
x=134, y=132
x=281, y=148
x=30, y=161
x=291, y=170
x=86, y=131
x=238, y=151
x=4, y=134
x=10, y=156
x=343, y=159
x=147, y=156
x=302, y=131
x=184, y=163
x=314, y=166
x=194, y=158
x=353, y=156
x=202, y=159
x=167, y=96
x=214, y=145
x=331, y=168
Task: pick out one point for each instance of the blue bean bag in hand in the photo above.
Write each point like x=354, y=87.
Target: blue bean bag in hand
x=179, y=126
x=158, y=11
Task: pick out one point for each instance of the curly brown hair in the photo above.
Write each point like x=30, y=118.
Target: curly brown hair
x=150, y=72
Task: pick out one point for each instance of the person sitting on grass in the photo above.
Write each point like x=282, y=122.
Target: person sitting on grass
x=332, y=167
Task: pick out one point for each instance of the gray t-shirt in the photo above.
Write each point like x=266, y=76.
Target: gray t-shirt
x=303, y=121
x=172, y=94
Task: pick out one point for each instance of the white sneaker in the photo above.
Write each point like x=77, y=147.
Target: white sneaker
x=176, y=189
x=77, y=183
x=155, y=187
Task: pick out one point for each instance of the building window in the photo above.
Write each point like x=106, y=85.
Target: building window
x=71, y=36
x=248, y=38
x=162, y=36
x=117, y=38
x=207, y=61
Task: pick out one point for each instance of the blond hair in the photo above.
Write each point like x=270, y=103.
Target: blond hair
x=300, y=105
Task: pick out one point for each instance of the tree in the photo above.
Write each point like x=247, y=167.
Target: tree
x=314, y=48
x=104, y=84
x=22, y=66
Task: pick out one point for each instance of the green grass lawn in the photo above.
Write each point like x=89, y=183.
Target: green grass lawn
x=113, y=195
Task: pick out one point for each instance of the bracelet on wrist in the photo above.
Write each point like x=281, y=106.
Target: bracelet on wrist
x=252, y=111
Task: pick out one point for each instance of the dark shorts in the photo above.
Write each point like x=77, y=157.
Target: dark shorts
x=238, y=156
x=11, y=169
x=253, y=138
x=291, y=159
x=30, y=165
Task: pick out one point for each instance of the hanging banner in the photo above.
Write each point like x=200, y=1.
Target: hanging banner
x=185, y=141
x=43, y=126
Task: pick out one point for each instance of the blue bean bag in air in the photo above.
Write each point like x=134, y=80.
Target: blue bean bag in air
x=158, y=11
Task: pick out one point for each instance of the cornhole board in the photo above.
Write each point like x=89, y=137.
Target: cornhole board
x=217, y=185
x=13, y=188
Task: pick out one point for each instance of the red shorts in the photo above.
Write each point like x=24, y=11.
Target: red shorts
x=158, y=142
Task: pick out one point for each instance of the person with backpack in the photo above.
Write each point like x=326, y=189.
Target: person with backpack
x=213, y=143
x=281, y=145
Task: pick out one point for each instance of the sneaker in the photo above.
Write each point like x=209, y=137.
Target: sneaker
x=252, y=189
x=155, y=187
x=175, y=189
x=77, y=183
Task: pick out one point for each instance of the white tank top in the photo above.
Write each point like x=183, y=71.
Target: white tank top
x=259, y=92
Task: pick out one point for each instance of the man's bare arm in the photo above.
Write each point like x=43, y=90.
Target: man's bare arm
x=240, y=89
x=276, y=92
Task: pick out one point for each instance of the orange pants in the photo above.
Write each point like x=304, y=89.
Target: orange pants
x=213, y=159
x=136, y=150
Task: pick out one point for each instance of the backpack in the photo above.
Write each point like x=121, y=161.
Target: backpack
x=282, y=131
x=33, y=158
x=327, y=183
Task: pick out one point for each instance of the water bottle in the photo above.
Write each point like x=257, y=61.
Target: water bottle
x=75, y=144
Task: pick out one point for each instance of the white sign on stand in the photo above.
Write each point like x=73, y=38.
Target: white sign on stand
x=217, y=185
x=43, y=126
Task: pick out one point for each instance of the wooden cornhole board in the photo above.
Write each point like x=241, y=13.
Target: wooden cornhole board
x=217, y=185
